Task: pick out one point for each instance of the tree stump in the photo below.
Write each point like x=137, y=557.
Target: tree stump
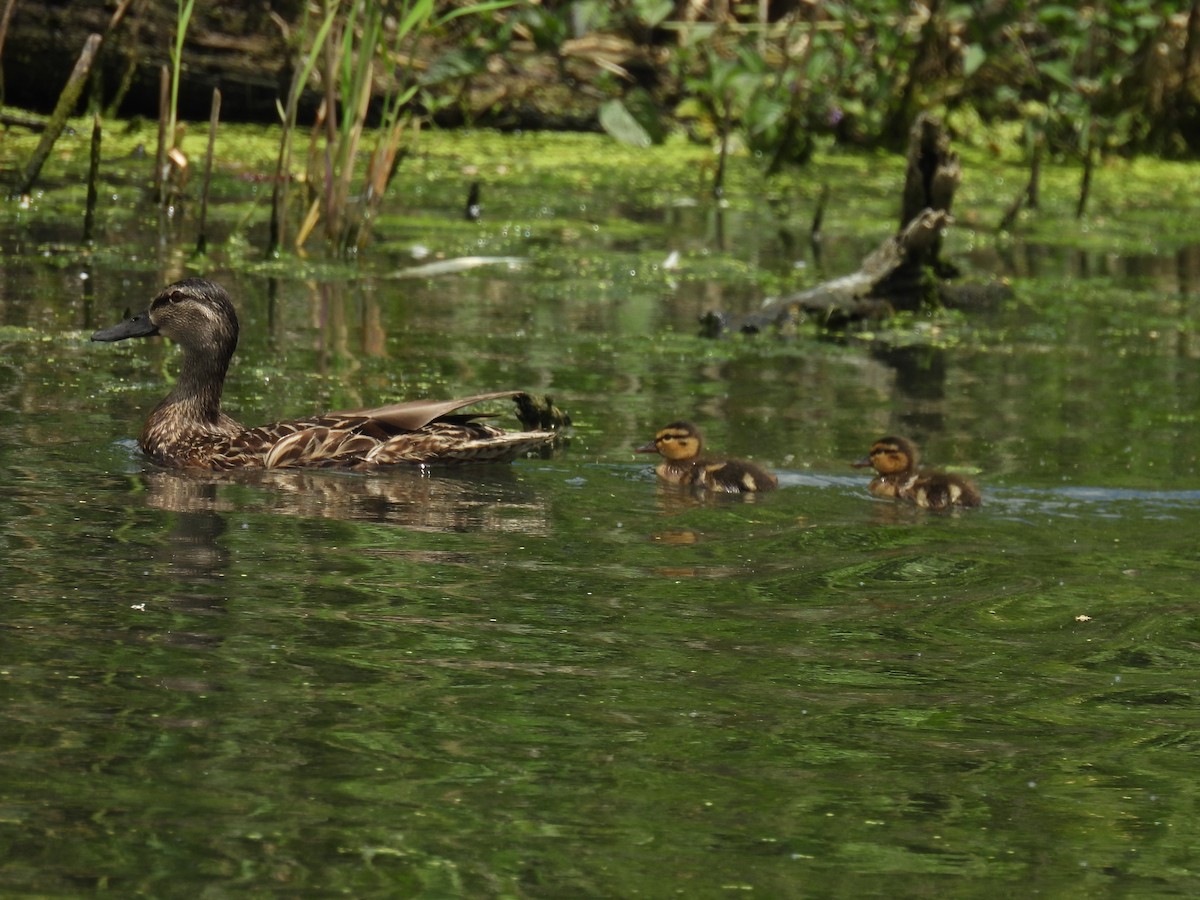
x=905, y=272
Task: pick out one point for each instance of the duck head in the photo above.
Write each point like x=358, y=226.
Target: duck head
x=677, y=442
x=195, y=313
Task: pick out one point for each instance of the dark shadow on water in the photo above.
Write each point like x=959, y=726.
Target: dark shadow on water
x=920, y=387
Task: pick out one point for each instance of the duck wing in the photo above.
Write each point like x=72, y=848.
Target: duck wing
x=735, y=476
x=361, y=443
x=940, y=490
x=412, y=415
x=444, y=443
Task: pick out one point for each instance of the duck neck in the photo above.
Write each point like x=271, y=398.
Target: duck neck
x=197, y=391
x=192, y=408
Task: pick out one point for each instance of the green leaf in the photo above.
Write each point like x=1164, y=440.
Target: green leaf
x=653, y=12
x=461, y=62
x=477, y=9
x=1058, y=13
x=617, y=121
x=640, y=104
x=1059, y=71
x=973, y=57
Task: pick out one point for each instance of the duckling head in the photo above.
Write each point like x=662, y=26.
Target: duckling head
x=677, y=442
x=890, y=456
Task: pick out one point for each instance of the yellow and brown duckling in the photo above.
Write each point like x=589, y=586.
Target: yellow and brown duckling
x=680, y=445
x=189, y=430
x=894, y=460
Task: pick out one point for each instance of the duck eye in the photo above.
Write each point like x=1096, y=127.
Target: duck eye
x=168, y=299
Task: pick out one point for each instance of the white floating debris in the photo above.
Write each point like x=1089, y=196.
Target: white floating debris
x=459, y=264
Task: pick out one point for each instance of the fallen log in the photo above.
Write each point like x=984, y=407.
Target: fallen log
x=905, y=272
x=22, y=119
x=866, y=294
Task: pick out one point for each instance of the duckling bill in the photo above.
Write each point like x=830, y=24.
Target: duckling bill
x=680, y=444
x=188, y=429
x=897, y=477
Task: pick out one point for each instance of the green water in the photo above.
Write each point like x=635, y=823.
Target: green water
x=557, y=679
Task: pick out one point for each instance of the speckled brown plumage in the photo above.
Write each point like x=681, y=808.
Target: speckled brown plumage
x=681, y=444
x=895, y=459
x=189, y=430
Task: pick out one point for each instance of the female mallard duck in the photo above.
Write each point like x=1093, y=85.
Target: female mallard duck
x=894, y=460
x=189, y=430
x=680, y=444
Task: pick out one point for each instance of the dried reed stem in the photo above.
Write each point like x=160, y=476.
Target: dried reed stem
x=160, y=156
x=214, y=119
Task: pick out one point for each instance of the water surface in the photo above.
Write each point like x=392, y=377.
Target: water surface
x=557, y=678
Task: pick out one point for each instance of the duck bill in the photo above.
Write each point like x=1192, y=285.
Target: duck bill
x=647, y=448
x=864, y=463
x=137, y=326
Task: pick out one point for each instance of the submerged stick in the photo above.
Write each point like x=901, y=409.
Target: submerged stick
x=473, y=209
x=1009, y=219
x=213, y=119
x=117, y=16
x=815, y=237
x=1029, y=195
x=9, y=6
x=718, y=190
x=818, y=219
x=160, y=156
x=66, y=103
x=89, y=216
x=1085, y=183
x=1033, y=193
x=130, y=57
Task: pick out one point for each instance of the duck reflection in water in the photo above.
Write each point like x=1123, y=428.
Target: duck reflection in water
x=491, y=500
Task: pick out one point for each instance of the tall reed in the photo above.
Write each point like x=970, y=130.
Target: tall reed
x=364, y=54
x=168, y=157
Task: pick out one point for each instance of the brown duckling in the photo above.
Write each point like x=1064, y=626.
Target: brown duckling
x=188, y=429
x=894, y=460
x=680, y=445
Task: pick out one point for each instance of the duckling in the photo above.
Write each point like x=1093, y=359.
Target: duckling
x=188, y=429
x=680, y=445
x=894, y=459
